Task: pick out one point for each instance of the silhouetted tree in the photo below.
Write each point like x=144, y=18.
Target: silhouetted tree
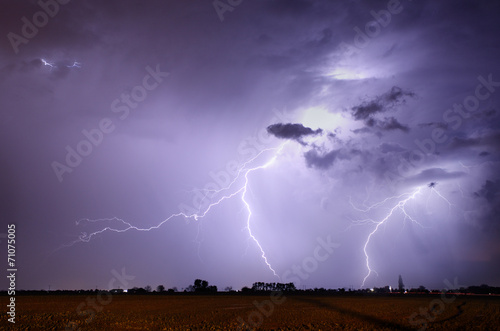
x=137, y=290
x=258, y=286
x=160, y=288
x=422, y=288
x=261, y=286
x=246, y=289
x=202, y=286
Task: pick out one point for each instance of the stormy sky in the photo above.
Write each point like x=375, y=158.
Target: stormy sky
x=324, y=121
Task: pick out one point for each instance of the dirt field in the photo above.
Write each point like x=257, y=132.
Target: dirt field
x=230, y=312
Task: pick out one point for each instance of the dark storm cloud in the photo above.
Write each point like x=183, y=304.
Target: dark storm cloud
x=386, y=124
x=389, y=124
x=294, y=131
x=380, y=104
x=393, y=124
x=364, y=111
x=388, y=101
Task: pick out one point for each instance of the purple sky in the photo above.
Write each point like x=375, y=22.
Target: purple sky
x=167, y=98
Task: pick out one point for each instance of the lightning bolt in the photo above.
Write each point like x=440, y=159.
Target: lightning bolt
x=46, y=63
x=75, y=65
x=402, y=201
x=244, y=171
x=367, y=209
x=250, y=212
x=433, y=189
x=400, y=206
x=467, y=168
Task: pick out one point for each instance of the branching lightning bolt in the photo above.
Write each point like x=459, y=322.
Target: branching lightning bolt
x=403, y=200
x=399, y=206
x=244, y=171
x=250, y=212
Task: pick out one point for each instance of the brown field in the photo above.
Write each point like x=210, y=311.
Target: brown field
x=227, y=312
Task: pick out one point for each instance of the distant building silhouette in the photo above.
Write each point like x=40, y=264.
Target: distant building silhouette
x=401, y=285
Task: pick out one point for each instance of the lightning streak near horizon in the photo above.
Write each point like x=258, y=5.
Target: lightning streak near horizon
x=243, y=171
x=401, y=206
x=402, y=201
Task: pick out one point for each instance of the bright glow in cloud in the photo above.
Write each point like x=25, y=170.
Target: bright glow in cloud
x=319, y=117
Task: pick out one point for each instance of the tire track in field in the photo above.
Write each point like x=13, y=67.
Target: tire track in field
x=459, y=312
x=375, y=321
